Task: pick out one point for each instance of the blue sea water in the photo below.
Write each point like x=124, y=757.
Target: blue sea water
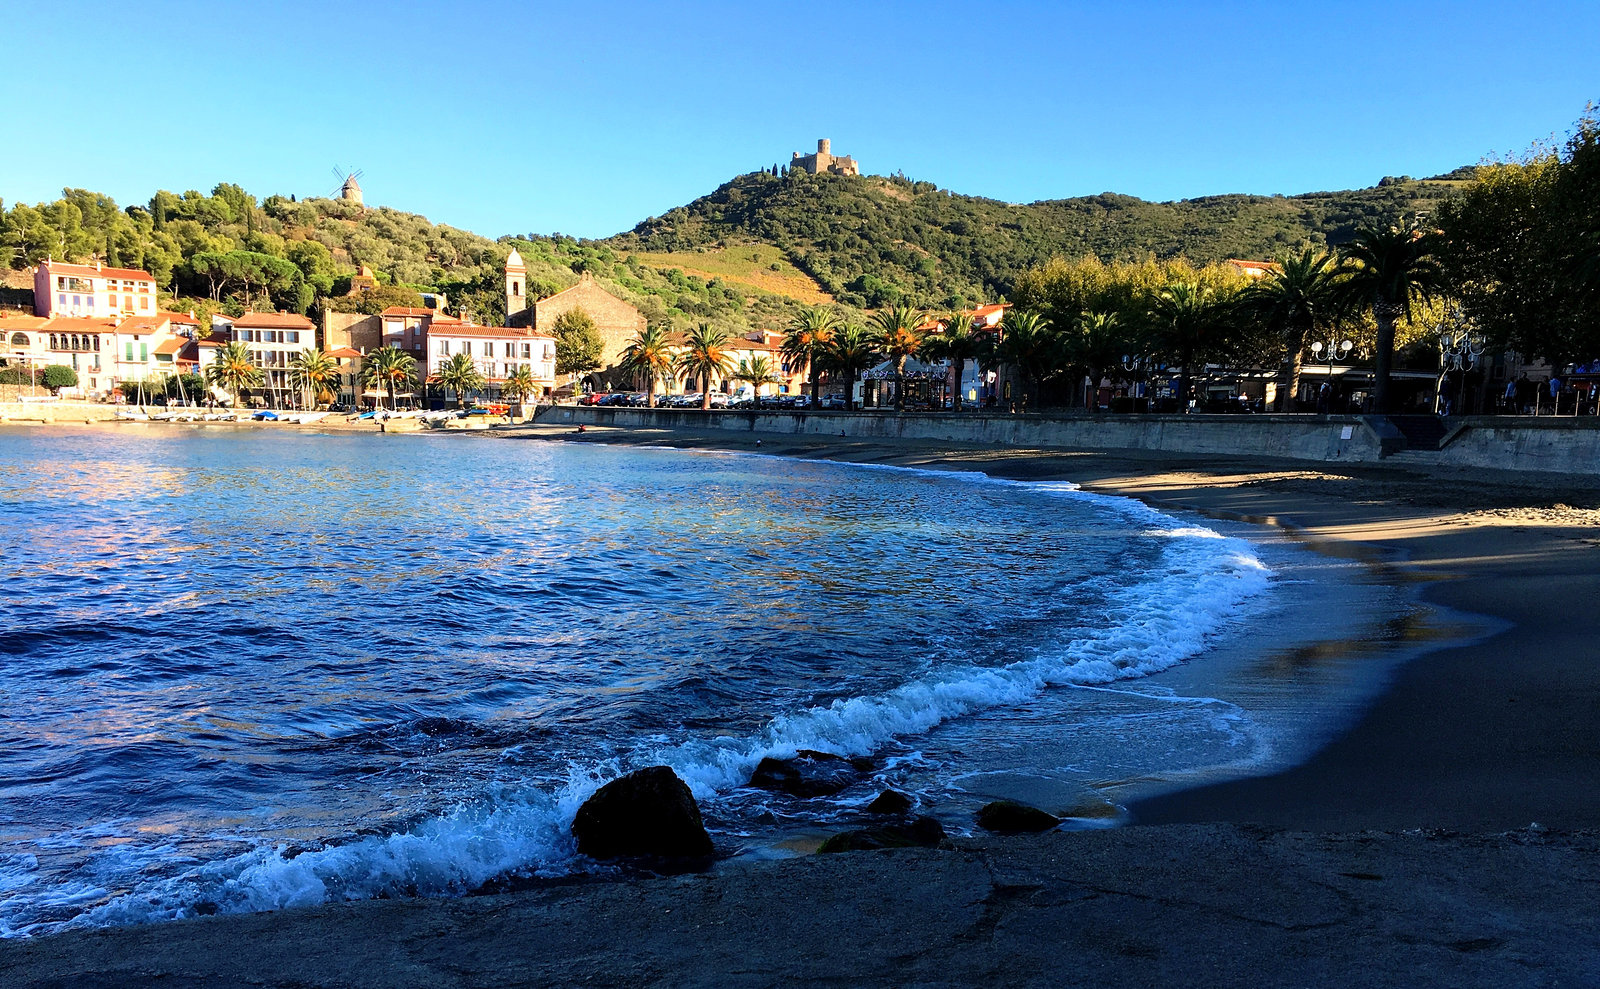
x=244, y=670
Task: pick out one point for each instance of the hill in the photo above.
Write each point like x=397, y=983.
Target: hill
x=866, y=241
x=745, y=256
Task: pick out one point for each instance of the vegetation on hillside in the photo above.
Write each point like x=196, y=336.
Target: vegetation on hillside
x=873, y=241
x=229, y=252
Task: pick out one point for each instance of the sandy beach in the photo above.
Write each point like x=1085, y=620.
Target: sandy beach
x=1447, y=839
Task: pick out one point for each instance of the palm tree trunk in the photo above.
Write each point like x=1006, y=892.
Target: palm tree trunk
x=850, y=391
x=899, y=388
x=1296, y=365
x=650, y=392
x=957, y=403
x=705, y=391
x=816, y=382
x=1384, y=314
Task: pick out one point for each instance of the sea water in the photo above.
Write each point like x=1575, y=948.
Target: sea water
x=248, y=670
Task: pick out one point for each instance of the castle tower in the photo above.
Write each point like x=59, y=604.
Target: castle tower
x=824, y=147
x=516, y=285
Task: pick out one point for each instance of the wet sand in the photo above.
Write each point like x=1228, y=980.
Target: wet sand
x=1447, y=839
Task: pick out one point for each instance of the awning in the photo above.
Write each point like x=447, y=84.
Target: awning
x=915, y=370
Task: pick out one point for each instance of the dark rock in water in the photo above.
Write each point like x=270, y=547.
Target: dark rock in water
x=890, y=802
x=808, y=774
x=922, y=832
x=649, y=812
x=1010, y=817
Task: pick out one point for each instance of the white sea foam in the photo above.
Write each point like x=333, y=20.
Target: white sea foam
x=1201, y=581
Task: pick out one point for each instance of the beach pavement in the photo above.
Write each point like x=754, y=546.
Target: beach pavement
x=1176, y=905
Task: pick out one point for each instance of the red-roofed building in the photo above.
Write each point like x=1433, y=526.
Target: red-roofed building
x=496, y=350
x=1253, y=269
x=105, y=351
x=272, y=339
x=93, y=290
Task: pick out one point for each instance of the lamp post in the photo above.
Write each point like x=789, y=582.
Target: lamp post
x=1460, y=349
x=1134, y=366
x=1329, y=353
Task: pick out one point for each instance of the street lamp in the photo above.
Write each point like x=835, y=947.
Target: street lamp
x=1330, y=353
x=1460, y=349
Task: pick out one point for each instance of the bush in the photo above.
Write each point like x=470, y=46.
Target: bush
x=59, y=376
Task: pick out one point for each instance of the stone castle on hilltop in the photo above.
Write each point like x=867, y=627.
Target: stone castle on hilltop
x=825, y=161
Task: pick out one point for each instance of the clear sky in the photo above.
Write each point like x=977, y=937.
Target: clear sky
x=586, y=117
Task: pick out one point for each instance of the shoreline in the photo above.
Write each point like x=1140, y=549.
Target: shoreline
x=1408, y=849
x=1474, y=541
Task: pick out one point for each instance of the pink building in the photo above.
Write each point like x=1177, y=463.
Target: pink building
x=92, y=291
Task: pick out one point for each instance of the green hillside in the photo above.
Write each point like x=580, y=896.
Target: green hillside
x=871, y=240
x=746, y=256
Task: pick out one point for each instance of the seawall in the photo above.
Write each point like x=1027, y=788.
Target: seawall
x=1563, y=445
x=57, y=412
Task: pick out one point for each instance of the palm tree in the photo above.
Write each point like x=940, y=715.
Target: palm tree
x=650, y=354
x=758, y=371
x=1094, y=341
x=957, y=343
x=388, y=368
x=460, y=375
x=314, y=371
x=899, y=336
x=708, y=353
x=808, y=339
x=1186, y=315
x=518, y=385
x=851, y=350
x=1392, y=271
x=1303, y=295
x=234, y=370
x=1029, y=345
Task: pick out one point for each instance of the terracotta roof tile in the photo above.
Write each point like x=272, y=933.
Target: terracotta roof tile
x=273, y=321
x=90, y=271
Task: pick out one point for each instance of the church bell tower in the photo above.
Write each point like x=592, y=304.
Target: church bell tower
x=516, y=286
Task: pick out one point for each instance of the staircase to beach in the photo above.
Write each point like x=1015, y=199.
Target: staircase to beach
x=1421, y=432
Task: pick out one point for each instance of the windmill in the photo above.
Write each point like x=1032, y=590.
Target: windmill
x=349, y=189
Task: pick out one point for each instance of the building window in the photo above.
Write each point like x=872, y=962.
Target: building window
x=294, y=336
x=61, y=300
x=77, y=300
x=144, y=353
x=113, y=302
x=144, y=303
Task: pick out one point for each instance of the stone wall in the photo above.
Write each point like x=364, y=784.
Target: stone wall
x=56, y=412
x=617, y=321
x=1524, y=443
x=344, y=329
x=1557, y=443
x=1326, y=438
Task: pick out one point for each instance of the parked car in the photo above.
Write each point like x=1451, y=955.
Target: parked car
x=835, y=402
x=719, y=400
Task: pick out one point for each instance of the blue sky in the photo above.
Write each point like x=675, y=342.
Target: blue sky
x=586, y=117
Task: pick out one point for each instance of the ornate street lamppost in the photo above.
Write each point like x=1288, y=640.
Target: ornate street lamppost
x=1330, y=353
x=1460, y=349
